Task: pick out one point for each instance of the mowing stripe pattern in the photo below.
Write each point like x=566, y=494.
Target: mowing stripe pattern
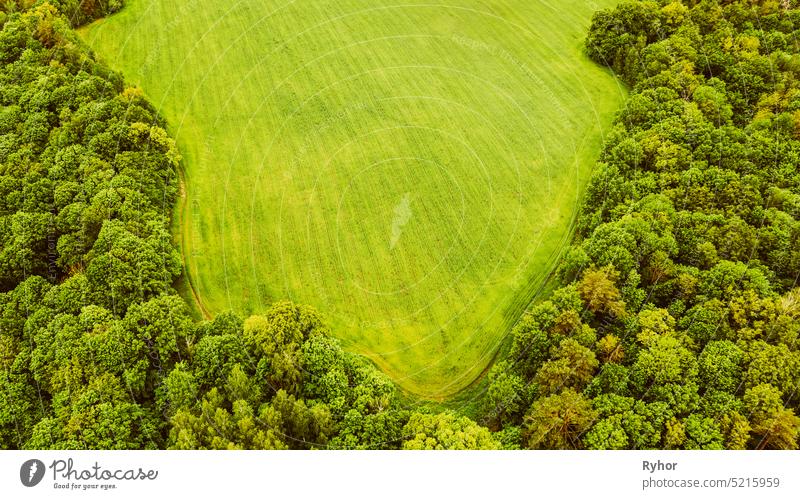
x=410, y=168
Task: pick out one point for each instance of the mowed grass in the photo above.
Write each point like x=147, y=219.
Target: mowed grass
x=409, y=168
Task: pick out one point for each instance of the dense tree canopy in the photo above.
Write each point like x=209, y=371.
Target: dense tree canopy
x=683, y=332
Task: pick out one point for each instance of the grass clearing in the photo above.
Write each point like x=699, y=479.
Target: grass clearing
x=411, y=169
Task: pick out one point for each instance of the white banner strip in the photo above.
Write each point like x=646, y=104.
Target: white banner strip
x=413, y=475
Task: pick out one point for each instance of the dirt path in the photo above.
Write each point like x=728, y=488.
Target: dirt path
x=179, y=231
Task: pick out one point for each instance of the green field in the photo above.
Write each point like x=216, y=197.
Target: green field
x=409, y=168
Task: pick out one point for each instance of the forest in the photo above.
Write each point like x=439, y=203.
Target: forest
x=674, y=323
